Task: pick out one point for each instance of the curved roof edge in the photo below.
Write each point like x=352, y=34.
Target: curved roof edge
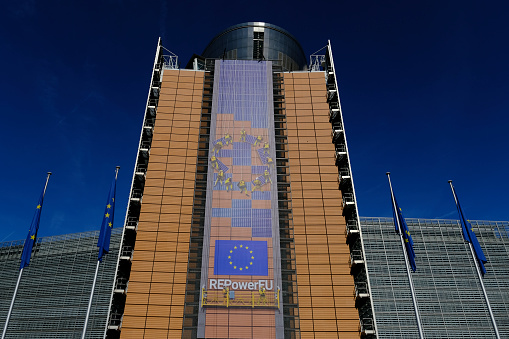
x=256, y=24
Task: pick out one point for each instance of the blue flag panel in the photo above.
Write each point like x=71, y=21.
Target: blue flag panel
x=469, y=236
x=32, y=234
x=409, y=243
x=240, y=257
x=107, y=224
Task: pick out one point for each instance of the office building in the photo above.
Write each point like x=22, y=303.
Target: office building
x=54, y=289
x=449, y=296
x=242, y=221
x=240, y=199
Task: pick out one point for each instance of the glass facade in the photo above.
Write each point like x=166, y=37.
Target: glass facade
x=54, y=290
x=449, y=296
x=256, y=41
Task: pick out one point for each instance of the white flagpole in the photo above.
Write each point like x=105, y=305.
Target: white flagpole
x=414, y=300
x=479, y=275
x=90, y=301
x=19, y=276
x=93, y=286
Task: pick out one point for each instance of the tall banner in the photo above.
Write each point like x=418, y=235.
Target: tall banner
x=241, y=270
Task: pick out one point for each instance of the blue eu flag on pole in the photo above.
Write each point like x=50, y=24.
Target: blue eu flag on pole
x=469, y=235
x=240, y=257
x=409, y=243
x=107, y=224
x=32, y=234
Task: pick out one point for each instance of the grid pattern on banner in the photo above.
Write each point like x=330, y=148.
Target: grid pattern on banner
x=449, y=296
x=244, y=211
x=155, y=300
x=326, y=288
x=246, y=96
x=54, y=290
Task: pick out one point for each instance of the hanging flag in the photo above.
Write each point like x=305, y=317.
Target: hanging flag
x=409, y=243
x=469, y=235
x=32, y=233
x=104, y=237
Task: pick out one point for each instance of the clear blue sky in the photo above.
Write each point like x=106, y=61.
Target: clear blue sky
x=424, y=89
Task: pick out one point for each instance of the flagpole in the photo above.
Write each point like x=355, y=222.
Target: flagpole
x=19, y=276
x=93, y=284
x=414, y=300
x=479, y=275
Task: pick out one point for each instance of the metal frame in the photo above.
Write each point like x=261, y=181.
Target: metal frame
x=451, y=302
x=359, y=266
x=122, y=270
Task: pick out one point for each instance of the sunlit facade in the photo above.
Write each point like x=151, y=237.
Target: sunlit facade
x=240, y=199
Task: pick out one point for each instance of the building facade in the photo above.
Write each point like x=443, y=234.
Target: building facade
x=449, y=296
x=242, y=222
x=241, y=198
x=54, y=289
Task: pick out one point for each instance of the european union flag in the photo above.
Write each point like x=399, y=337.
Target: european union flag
x=104, y=237
x=469, y=235
x=32, y=234
x=240, y=257
x=409, y=243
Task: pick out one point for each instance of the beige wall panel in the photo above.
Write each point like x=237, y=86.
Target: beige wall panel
x=348, y=325
x=160, y=299
x=151, y=208
x=325, y=325
x=343, y=291
x=326, y=313
x=146, y=236
x=301, y=89
x=350, y=335
x=154, y=333
x=320, y=279
x=347, y=313
x=344, y=301
x=136, y=299
x=145, y=245
x=152, y=199
x=164, y=266
x=132, y=333
x=136, y=310
x=138, y=287
x=141, y=266
x=143, y=255
x=133, y=321
x=306, y=325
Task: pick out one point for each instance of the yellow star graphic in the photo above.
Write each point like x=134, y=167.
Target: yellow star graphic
x=32, y=237
x=240, y=246
x=247, y=267
x=110, y=224
x=108, y=206
x=229, y=257
x=252, y=257
x=235, y=247
x=234, y=267
x=112, y=199
x=250, y=251
x=38, y=207
x=231, y=251
x=247, y=247
x=240, y=268
x=107, y=215
x=251, y=263
x=231, y=263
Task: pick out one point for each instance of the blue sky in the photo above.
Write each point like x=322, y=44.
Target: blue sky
x=424, y=89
